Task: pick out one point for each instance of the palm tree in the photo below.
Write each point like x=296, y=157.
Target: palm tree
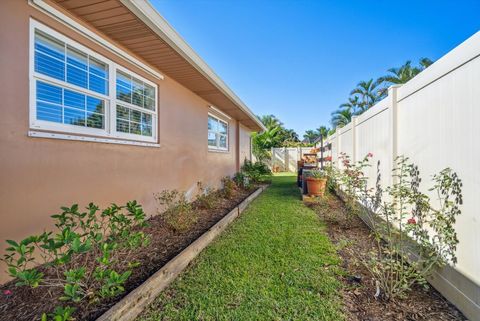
x=310, y=136
x=270, y=121
x=425, y=62
x=354, y=105
x=405, y=72
x=341, y=117
x=368, y=93
x=323, y=131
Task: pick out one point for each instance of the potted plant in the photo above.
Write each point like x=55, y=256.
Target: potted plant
x=316, y=182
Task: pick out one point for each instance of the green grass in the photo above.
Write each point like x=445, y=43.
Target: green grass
x=274, y=263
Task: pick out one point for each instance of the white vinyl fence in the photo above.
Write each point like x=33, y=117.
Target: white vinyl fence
x=285, y=158
x=434, y=120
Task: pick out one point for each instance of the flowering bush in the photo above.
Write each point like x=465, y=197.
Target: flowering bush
x=412, y=237
x=353, y=180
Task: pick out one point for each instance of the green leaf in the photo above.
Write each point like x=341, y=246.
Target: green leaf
x=12, y=243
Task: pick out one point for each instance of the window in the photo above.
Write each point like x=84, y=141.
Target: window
x=217, y=133
x=75, y=90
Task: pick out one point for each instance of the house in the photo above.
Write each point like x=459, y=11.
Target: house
x=104, y=102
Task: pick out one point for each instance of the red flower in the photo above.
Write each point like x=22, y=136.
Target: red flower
x=411, y=221
x=7, y=292
x=369, y=155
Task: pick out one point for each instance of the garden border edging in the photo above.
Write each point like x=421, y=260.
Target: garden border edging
x=129, y=307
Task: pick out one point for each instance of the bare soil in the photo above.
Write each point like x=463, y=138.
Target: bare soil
x=27, y=304
x=353, y=239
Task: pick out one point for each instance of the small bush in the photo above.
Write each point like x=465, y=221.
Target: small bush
x=257, y=172
x=229, y=187
x=100, y=241
x=178, y=212
x=206, y=198
x=242, y=180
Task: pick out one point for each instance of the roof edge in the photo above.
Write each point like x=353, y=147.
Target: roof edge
x=144, y=10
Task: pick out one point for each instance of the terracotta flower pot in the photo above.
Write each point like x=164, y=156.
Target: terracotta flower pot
x=316, y=186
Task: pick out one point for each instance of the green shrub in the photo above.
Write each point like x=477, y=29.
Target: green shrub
x=206, y=198
x=100, y=240
x=256, y=172
x=229, y=187
x=178, y=212
x=242, y=180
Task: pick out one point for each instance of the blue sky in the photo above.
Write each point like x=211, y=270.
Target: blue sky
x=299, y=59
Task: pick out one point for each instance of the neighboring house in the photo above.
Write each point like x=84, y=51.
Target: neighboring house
x=102, y=101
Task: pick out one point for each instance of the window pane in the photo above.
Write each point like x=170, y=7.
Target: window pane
x=124, y=80
x=49, y=56
x=123, y=112
x=57, y=104
x=77, y=58
x=49, y=66
x=98, y=84
x=124, y=94
x=49, y=93
x=76, y=76
x=222, y=127
x=135, y=116
x=212, y=139
x=135, y=128
x=147, y=130
x=49, y=112
x=137, y=98
x=95, y=120
x=74, y=99
x=212, y=124
x=149, y=103
x=49, y=46
x=223, y=141
x=122, y=126
x=74, y=117
x=146, y=124
x=95, y=105
x=149, y=92
x=98, y=68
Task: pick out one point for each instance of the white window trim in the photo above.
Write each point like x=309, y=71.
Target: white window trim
x=110, y=99
x=218, y=148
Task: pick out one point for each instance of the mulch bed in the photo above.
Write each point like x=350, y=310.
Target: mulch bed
x=26, y=304
x=353, y=238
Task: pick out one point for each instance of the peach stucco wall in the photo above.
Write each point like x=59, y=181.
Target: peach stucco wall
x=39, y=175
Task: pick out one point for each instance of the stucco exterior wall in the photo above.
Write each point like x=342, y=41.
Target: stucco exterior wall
x=244, y=144
x=39, y=175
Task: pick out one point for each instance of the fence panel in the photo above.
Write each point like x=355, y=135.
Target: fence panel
x=432, y=120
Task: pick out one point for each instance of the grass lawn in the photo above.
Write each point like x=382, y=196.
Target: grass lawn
x=274, y=263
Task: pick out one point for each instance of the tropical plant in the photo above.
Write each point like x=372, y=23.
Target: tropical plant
x=354, y=105
x=341, y=117
x=323, y=131
x=257, y=172
x=310, y=136
x=368, y=92
x=405, y=72
x=276, y=135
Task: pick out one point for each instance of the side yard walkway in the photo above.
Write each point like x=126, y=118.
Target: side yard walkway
x=275, y=263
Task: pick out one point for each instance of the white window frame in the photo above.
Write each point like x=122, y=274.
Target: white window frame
x=110, y=100
x=217, y=147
